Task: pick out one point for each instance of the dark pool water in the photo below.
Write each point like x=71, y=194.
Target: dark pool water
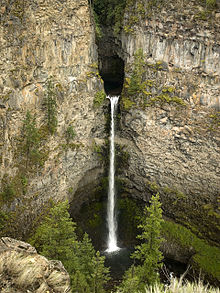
x=118, y=262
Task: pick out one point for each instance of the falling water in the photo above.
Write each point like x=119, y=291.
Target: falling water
x=111, y=218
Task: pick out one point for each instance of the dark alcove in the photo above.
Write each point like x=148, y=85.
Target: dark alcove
x=111, y=69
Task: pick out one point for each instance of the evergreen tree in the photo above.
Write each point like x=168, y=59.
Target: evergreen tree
x=69, y=134
x=51, y=107
x=56, y=235
x=148, y=253
x=55, y=238
x=31, y=140
x=91, y=274
x=100, y=274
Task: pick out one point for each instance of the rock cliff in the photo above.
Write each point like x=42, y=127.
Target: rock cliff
x=169, y=109
x=47, y=47
x=171, y=126
x=23, y=270
x=170, y=121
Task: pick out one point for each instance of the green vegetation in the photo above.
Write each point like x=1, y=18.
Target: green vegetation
x=110, y=13
x=51, y=107
x=99, y=98
x=207, y=11
x=166, y=98
x=174, y=192
x=31, y=152
x=129, y=219
x=210, y=4
x=137, y=11
x=201, y=219
x=134, y=85
x=3, y=220
x=148, y=252
x=69, y=134
x=102, y=151
x=30, y=141
x=127, y=103
x=91, y=219
x=206, y=257
x=122, y=158
x=143, y=93
x=70, y=145
x=98, y=29
x=8, y=191
x=12, y=187
x=214, y=121
x=55, y=238
x=211, y=212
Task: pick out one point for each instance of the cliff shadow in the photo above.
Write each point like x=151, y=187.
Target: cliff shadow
x=111, y=69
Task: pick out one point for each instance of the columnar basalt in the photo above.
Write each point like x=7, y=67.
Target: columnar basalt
x=169, y=107
x=46, y=41
x=171, y=126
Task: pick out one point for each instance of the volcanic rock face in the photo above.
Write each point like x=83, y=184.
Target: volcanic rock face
x=41, y=41
x=173, y=148
x=23, y=270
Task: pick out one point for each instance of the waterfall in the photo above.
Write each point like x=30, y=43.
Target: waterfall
x=111, y=218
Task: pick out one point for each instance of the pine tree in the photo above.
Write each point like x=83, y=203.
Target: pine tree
x=55, y=238
x=51, y=107
x=92, y=267
x=100, y=274
x=148, y=253
x=69, y=134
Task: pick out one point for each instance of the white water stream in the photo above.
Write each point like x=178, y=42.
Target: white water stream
x=111, y=217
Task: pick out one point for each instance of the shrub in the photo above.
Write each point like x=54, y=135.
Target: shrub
x=99, y=98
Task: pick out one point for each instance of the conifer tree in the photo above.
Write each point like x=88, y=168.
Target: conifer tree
x=55, y=238
x=100, y=274
x=56, y=235
x=31, y=140
x=51, y=107
x=69, y=134
x=148, y=253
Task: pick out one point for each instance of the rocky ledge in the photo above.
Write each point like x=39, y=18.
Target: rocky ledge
x=23, y=270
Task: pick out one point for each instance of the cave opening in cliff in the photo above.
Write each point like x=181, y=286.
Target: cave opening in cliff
x=111, y=69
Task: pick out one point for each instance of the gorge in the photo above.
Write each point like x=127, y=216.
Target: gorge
x=164, y=61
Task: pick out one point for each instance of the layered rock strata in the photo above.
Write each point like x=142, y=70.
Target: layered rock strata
x=42, y=42
x=171, y=126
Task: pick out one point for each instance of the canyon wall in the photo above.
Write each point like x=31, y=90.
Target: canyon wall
x=169, y=108
x=171, y=127
x=47, y=51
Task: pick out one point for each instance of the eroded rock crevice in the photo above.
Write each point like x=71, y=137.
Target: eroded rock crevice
x=112, y=72
x=111, y=62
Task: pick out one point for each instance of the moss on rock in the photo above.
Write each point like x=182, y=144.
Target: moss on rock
x=206, y=257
